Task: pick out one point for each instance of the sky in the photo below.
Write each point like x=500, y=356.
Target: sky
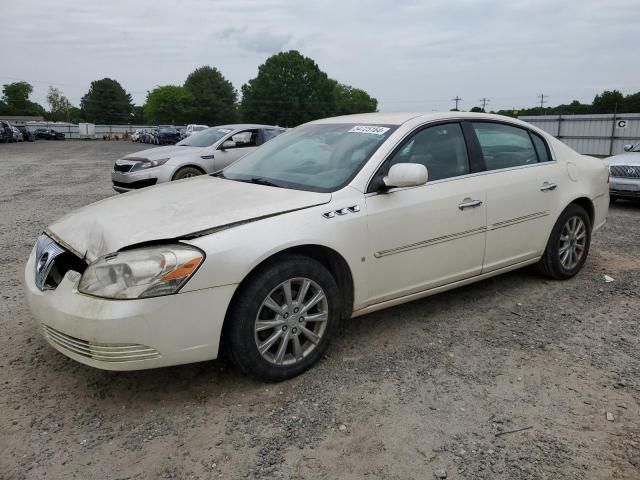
x=411, y=55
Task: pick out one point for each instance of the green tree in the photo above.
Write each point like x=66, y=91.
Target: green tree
x=608, y=102
x=107, y=102
x=15, y=99
x=632, y=103
x=351, y=100
x=59, y=106
x=168, y=104
x=290, y=89
x=477, y=110
x=214, y=100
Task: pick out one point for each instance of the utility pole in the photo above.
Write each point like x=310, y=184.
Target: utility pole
x=457, y=99
x=484, y=101
x=542, y=97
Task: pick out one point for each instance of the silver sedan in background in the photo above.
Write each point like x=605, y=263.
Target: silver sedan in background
x=203, y=152
x=624, y=171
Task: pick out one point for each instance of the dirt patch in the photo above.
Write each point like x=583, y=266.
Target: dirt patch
x=508, y=378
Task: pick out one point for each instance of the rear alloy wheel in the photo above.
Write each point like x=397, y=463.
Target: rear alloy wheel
x=568, y=244
x=283, y=318
x=186, y=172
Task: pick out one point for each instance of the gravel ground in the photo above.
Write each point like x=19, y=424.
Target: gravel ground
x=516, y=377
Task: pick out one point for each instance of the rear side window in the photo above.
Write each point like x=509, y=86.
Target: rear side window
x=504, y=146
x=270, y=133
x=541, y=148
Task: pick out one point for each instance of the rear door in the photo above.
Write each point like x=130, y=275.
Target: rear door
x=522, y=183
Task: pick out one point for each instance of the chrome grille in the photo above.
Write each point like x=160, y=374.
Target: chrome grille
x=52, y=263
x=625, y=171
x=104, y=352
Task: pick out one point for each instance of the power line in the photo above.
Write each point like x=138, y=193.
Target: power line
x=457, y=100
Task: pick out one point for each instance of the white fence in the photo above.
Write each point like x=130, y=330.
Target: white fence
x=602, y=134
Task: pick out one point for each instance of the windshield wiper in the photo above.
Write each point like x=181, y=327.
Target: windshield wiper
x=263, y=181
x=219, y=174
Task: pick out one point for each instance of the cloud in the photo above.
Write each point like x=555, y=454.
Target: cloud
x=411, y=55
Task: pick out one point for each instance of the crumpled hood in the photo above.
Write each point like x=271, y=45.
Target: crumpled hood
x=163, y=152
x=627, y=158
x=172, y=210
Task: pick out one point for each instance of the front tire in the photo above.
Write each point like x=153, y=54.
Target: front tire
x=186, y=172
x=282, y=319
x=568, y=244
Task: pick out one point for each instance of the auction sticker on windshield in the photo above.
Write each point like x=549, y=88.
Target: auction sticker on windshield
x=369, y=129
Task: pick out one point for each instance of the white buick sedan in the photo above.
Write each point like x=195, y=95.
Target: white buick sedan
x=333, y=219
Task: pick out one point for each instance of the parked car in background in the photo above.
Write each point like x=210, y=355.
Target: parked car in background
x=27, y=134
x=206, y=151
x=167, y=134
x=334, y=219
x=48, y=134
x=624, y=171
x=135, y=135
x=192, y=128
x=17, y=135
x=6, y=132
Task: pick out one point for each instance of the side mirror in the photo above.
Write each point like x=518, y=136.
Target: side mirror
x=406, y=175
x=227, y=144
x=628, y=147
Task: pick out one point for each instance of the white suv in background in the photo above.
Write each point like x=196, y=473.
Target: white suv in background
x=203, y=152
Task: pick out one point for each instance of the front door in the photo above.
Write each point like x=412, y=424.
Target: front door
x=235, y=147
x=427, y=236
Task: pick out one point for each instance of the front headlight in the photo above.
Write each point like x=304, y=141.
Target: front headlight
x=142, y=272
x=150, y=163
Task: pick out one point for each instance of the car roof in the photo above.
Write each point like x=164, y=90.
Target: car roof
x=398, y=118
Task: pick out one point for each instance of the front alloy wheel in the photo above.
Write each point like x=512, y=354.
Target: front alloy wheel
x=282, y=318
x=291, y=321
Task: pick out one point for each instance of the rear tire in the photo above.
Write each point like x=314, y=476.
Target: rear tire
x=568, y=244
x=282, y=319
x=187, y=172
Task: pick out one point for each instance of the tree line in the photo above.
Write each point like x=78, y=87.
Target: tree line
x=288, y=90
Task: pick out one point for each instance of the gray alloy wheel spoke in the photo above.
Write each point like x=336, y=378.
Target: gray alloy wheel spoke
x=282, y=348
x=306, y=283
x=270, y=341
x=272, y=305
x=267, y=324
x=297, y=348
x=316, y=317
x=309, y=334
x=286, y=288
x=311, y=303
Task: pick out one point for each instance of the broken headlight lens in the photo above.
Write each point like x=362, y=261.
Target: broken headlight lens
x=141, y=273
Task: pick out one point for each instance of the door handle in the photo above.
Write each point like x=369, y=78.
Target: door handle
x=548, y=186
x=468, y=203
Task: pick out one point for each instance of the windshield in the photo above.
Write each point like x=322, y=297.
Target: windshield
x=167, y=129
x=205, y=138
x=635, y=148
x=316, y=157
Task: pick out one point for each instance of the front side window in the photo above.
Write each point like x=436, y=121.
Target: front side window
x=441, y=149
x=504, y=146
x=205, y=138
x=248, y=138
x=316, y=157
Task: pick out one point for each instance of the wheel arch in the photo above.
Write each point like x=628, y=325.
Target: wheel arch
x=333, y=261
x=586, y=203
